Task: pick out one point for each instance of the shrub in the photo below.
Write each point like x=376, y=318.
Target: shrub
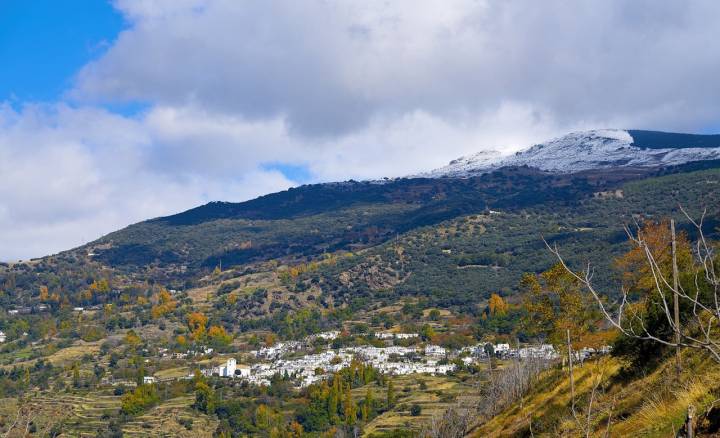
x=415, y=410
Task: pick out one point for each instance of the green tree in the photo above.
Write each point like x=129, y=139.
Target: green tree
x=204, y=397
x=367, y=407
x=391, y=397
x=415, y=410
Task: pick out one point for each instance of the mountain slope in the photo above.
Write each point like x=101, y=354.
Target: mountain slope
x=599, y=149
x=310, y=220
x=302, y=224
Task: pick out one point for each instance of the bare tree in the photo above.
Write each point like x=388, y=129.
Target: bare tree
x=453, y=423
x=509, y=385
x=702, y=332
x=25, y=416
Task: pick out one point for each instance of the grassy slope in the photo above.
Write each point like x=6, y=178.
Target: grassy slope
x=654, y=405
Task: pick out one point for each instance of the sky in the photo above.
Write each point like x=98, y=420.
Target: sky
x=112, y=112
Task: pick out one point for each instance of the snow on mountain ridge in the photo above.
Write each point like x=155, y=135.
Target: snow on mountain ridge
x=575, y=152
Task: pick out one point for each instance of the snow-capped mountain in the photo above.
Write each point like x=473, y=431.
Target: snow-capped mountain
x=596, y=149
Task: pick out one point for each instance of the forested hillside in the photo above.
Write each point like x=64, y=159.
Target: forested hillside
x=446, y=260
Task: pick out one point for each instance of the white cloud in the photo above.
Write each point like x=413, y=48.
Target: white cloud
x=330, y=68
x=72, y=175
x=352, y=89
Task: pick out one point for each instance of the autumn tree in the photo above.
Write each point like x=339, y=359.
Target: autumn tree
x=44, y=293
x=132, y=338
x=661, y=270
x=218, y=336
x=204, y=397
x=368, y=405
x=181, y=340
x=165, y=304
x=497, y=306
x=349, y=407
x=555, y=303
x=196, y=323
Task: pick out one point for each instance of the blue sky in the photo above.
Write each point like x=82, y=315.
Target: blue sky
x=142, y=108
x=43, y=44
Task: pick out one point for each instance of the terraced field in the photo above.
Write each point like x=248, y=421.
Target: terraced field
x=166, y=420
x=85, y=415
x=437, y=395
x=81, y=416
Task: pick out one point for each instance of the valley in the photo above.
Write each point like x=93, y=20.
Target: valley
x=389, y=308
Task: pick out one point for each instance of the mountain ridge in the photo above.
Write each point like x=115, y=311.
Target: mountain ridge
x=594, y=149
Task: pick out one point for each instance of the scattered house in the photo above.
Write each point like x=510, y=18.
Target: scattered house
x=201, y=350
x=502, y=349
x=78, y=309
x=406, y=335
x=3, y=337
x=389, y=335
x=435, y=350
x=148, y=380
x=328, y=336
x=12, y=312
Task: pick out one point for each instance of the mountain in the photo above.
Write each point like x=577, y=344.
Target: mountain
x=311, y=219
x=465, y=232
x=598, y=149
x=421, y=254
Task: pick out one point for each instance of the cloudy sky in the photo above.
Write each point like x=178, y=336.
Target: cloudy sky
x=111, y=113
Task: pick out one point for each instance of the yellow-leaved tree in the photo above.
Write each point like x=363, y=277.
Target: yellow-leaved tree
x=555, y=303
x=196, y=322
x=497, y=306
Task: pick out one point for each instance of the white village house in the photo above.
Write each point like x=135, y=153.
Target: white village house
x=229, y=369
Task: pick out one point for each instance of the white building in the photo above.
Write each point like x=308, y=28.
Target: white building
x=226, y=370
x=502, y=348
x=148, y=380
x=328, y=336
x=434, y=350
x=2, y=337
x=406, y=335
x=242, y=371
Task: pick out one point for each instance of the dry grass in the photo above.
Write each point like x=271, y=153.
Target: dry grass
x=430, y=399
x=552, y=390
x=74, y=352
x=654, y=405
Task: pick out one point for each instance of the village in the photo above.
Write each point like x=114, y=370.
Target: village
x=286, y=358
